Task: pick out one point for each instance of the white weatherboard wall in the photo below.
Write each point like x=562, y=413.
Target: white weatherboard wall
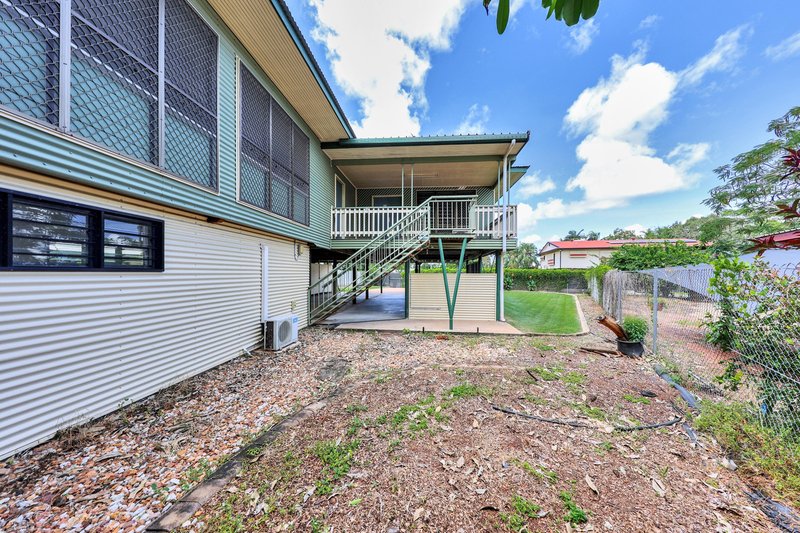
x=477, y=296
x=76, y=345
x=574, y=258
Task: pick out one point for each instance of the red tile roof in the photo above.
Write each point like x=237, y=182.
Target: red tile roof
x=594, y=245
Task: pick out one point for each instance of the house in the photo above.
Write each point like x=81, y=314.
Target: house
x=175, y=174
x=587, y=254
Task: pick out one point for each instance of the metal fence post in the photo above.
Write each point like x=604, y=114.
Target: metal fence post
x=655, y=313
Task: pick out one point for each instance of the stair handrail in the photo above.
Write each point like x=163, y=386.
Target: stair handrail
x=367, y=247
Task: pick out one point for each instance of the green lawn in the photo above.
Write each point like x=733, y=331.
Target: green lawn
x=542, y=312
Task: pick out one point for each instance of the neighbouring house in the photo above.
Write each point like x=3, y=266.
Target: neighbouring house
x=587, y=254
x=175, y=172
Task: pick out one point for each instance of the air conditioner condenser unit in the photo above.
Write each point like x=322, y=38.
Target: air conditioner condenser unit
x=280, y=332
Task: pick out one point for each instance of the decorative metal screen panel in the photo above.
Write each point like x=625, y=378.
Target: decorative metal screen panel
x=274, y=159
x=29, y=52
x=254, y=143
x=190, y=73
x=114, y=75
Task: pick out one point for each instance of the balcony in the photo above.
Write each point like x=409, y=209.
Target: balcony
x=449, y=217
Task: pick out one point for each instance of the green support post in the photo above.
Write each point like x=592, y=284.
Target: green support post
x=451, y=303
x=497, y=258
x=407, y=283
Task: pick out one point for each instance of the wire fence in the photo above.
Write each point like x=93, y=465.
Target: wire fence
x=740, y=344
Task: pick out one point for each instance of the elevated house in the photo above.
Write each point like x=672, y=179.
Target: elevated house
x=175, y=172
x=587, y=254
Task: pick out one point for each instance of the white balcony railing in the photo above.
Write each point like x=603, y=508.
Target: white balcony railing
x=489, y=222
x=364, y=222
x=448, y=216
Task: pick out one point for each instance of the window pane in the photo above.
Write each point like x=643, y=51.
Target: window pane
x=29, y=58
x=190, y=74
x=49, y=235
x=120, y=256
x=114, y=75
x=127, y=243
x=130, y=227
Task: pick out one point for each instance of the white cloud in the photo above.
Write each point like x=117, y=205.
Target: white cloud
x=534, y=184
x=532, y=239
x=380, y=54
x=617, y=117
x=785, y=49
x=638, y=229
x=649, y=21
x=727, y=51
x=582, y=35
x=475, y=121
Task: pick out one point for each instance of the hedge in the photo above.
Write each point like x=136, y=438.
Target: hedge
x=538, y=279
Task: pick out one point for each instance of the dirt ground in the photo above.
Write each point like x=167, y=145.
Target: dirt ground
x=409, y=440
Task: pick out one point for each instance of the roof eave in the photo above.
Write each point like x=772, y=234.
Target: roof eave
x=297, y=36
x=447, y=140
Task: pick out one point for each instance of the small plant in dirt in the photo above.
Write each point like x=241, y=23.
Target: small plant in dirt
x=355, y=408
x=460, y=372
x=575, y=515
x=468, y=390
x=633, y=398
x=538, y=472
x=547, y=374
x=536, y=400
x=336, y=459
x=541, y=346
x=760, y=451
x=356, y=424
x=635, y=328
x=588, y=410
x=522, y=511
x=574, y=378
x=318, y=526
x=196, y=473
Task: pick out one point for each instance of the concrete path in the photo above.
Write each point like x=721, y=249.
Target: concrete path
x=391, y=305
x=459, y=326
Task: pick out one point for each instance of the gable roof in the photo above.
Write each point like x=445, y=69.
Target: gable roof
x=609, y=244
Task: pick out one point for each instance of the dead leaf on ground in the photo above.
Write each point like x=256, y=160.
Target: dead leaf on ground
x=658, y=486
x=590, y=482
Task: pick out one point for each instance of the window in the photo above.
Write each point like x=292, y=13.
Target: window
x=274, y=167
x=118, y=94
x=43, y=234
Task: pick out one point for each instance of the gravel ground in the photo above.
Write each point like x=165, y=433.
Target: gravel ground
x=431, y=452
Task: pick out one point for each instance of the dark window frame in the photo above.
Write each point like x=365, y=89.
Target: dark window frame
x=96, y=242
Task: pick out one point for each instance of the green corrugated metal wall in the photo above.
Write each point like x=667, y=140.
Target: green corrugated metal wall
x=37, y=148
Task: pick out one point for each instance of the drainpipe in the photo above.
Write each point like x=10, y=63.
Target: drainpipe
x=412, y=184
x=505, y=228
x=403, y=185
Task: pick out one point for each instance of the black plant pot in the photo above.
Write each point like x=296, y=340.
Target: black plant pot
x=630, y=348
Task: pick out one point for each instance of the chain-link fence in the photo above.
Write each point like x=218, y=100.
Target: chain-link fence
x=740, y=341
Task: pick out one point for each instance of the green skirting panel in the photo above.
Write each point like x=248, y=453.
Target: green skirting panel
x=451, y=302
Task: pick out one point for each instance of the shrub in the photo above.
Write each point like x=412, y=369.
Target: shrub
x=635, y=327
x=544, y=279
x=597, y=274
x=531, y=285
x=637, y=257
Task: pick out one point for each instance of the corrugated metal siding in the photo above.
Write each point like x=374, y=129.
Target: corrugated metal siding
x=476, y=296
x=40, y=150
x=76, y=345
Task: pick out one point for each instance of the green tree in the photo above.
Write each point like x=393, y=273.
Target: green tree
x=524, y=256
x=641, y=257
x=570, y=11
x=755, y=183
x=573, y=235
x=620, y=234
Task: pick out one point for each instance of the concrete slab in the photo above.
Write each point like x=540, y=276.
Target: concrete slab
x=443, y=326
x=391, y=305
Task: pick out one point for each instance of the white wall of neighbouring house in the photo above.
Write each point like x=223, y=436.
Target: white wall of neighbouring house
x=77, y=345
x=573, y=258
x=476, y=300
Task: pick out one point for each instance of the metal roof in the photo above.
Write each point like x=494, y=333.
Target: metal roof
x=433, y=140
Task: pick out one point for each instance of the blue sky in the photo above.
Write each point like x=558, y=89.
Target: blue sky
x=629, y=114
